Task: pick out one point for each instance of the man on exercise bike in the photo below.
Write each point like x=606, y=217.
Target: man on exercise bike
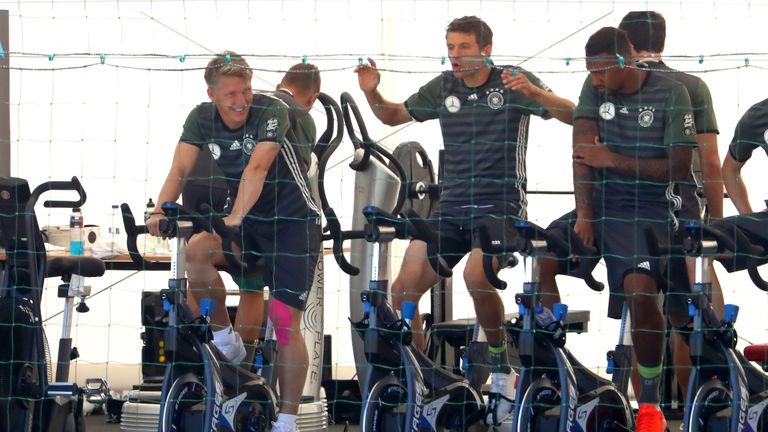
x=278, y=221
x=299, y=90
x=632, y=141
x=484, y=111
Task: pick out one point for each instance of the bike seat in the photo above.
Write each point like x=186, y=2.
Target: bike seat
x=85, y=266
x=757, y=353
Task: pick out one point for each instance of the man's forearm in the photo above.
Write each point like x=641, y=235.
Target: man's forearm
x=387, y=112
x=662, y=170
x=582, y=190
x=557, y=107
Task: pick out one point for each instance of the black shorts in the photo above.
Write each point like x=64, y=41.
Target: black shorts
x=624, y=247
x=692, y=206
x=458, y=229
x=288, y=250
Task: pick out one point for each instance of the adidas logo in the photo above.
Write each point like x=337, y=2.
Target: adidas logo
x=236, y=145
x=624, y=110
x=645, y=265
x=303, y=296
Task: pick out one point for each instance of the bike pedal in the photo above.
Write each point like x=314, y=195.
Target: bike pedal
x=96, y=390
x=62, y=389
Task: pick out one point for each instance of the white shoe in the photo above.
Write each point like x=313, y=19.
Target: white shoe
x=282, y=427
x=501, y=398
x=234, y=351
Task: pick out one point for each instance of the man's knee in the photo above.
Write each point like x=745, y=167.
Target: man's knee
x=282, y=319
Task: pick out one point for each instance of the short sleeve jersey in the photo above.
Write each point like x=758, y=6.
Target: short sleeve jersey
x=751, y=132
x=485, y=136
x=703, y=114
x=302, y=125
x=643, y=125
x=285, y=193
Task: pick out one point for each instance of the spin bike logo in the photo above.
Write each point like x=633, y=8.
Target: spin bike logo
x=218, y=399
x=743, y=404
x=572, y=398
x=419, y=389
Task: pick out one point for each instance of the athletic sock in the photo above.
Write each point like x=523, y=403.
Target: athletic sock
x=651, y=381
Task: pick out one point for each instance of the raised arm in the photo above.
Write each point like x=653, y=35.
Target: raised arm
x=556, y=106
x=389, y=113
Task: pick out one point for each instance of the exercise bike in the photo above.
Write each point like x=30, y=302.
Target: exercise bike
x=725, y=391
x=406, y=390
x=31, y=397
x=554, y=391
x=202, y=390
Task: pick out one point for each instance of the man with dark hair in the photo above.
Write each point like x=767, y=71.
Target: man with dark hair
x=245, y=134
x=751, y=133
x=484, y=112
x=632, y=140
x=647, y=32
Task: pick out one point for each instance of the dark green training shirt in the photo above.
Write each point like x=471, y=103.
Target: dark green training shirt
x=643, y=125
x=703, y=115
x=285, y=193
x=302, y=125
x=751, y=132
x=485, y=137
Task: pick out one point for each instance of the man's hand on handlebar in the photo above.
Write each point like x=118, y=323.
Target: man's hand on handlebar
x=153, y=224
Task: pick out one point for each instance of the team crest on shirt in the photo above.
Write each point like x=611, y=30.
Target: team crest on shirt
x=495, y=100
x=645, y=118
x=607, y=110
x=248, y=144
x=215, y=150
x=452, y=104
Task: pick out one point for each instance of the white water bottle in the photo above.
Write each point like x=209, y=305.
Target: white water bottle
x=76, y=240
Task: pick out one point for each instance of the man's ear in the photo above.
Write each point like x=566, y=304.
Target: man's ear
x=210, y=93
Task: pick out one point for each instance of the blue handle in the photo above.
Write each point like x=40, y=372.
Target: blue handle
x=609, y=369
x=206, y=307
x=166, y=305
x=560, y=310
x=691, y=310
x=731, y=313
x=367, y=307
x=409, y=310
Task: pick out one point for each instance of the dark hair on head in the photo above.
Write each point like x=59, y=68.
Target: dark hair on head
x=228, y=63
x=303, y=78
x=610, y=41
x=472, y=25
x=647, y=30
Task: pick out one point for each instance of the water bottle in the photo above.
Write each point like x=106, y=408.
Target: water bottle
x=76, y=240
x=114, y=230
x=156, y=245
x=149, y=210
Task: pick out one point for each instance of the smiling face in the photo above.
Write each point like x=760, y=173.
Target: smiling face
x=233, y=97
x=465, y=54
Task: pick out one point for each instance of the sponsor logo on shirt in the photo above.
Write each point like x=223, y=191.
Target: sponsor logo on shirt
x=452, y=104
x=765, y=136
x=235, y=145
x=215, y=150
x=645, y=265
x=624, y=110
x=272, y=127
x=689, y=127
x=473, y=96
x=607, y=111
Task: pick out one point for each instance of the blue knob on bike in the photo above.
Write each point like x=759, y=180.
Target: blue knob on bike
x=166, y=305
x=409, y=310
x=731, y=313
x=560, y=310
x=366, y=307
x=206, y=307
x=691, y=310
x=609, y=369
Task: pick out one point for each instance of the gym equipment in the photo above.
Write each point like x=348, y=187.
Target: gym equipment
x=554, y=391
x=31, y=398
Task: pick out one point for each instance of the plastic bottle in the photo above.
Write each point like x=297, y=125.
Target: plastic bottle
x=76, y=240
x=114, y=230
x=152, y=244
